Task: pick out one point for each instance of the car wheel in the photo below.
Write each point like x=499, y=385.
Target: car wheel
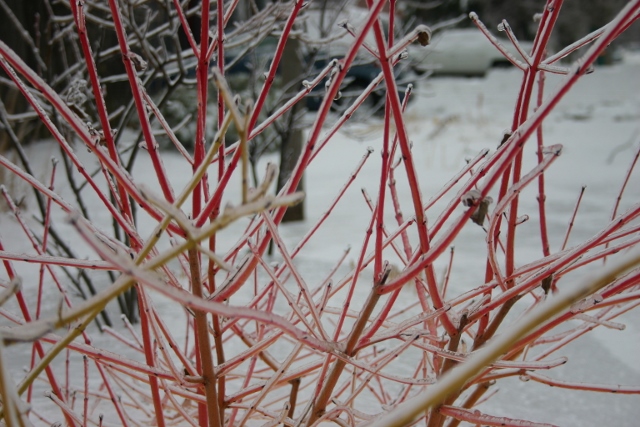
x=501, y=64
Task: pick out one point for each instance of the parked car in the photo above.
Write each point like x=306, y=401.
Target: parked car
x=464, y=52
x=359, y=75
x=328, y=24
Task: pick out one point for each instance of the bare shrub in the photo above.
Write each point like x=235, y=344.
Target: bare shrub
x=259, y=344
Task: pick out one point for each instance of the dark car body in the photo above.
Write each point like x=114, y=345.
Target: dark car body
x=361, y=73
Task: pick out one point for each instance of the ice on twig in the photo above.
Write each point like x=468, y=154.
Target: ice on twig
x=555, y=149
x=477, y=417
x=75, y=95
x=606, y=323
x=138, y=63
x=473, y=199
x=586, y=303
x=25, y=333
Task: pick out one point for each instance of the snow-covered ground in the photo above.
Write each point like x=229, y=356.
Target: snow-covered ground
x=450, y=120
x=598, y=124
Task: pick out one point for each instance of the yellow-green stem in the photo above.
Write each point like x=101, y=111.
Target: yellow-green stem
x=217, y=339
x=56, y=349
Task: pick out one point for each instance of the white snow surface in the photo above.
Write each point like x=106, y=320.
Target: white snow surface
x=451, y=119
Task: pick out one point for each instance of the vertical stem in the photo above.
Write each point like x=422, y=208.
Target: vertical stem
x=320, y=404
x=384, y=165
x=143, y=118
x=45, y=235
x=217, y=341
x=85, y=399
x=547, y=23
x=541, y=187
x=149, y=355
x=204, y=345
x=185, y=27
x=220, y=34
x=217, y=332
x=202, y=85
x=572, y=220
x=293, y=396
x=78, y=13
x=621, y=192
x=354, y=279
x=403, y=139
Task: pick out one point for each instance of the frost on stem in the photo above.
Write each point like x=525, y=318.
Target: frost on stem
x=480, y=206
x=506, y=134
x=586, y=303
x=76, y=93
x=522, y=219
x=334, y=71
x=138, y=63
x=98, y=136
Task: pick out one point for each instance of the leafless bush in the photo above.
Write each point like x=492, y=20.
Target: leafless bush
x=260, y=344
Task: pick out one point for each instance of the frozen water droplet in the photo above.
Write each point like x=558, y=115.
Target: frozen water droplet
x=424, y=36
x=470, y=198
x=76, y=92
x=138, y=63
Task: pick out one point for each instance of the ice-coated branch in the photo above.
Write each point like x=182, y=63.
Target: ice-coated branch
x=464, y=372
